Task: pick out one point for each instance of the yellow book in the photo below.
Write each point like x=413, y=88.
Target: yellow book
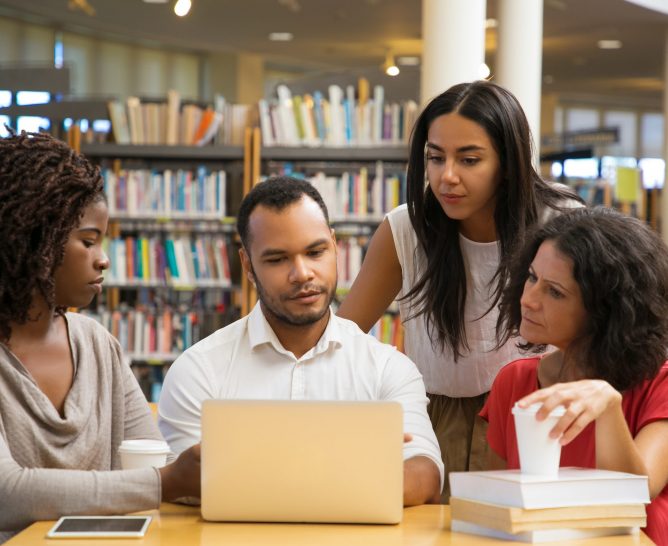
x=146, y=261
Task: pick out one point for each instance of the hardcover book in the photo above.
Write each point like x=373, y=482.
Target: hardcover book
x=572, y=487
x=514, y=520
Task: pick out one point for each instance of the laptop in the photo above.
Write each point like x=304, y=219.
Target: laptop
x=302, y=461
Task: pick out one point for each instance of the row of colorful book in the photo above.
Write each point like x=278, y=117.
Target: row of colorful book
x=389, y=330
x=151, y=336
x=158, y=335
x=167, y=193
x=175, y=122
x=349, y=260
x=578, y=503
x=181, y=261
x=350, y=117
x=360, y=196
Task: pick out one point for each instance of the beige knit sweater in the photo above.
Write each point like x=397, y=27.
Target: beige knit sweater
x=52, y=466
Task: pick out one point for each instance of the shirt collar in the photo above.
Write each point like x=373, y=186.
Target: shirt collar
x=260, y=332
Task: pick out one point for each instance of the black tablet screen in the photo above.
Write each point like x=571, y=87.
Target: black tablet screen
x=114, y=525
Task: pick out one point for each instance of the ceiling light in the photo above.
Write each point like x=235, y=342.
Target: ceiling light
x=390, y=65
x=408, y=60
x=182, y=7
x=280, y=36
x=610, y=44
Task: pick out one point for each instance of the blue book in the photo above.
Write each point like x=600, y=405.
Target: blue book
x=319, y=115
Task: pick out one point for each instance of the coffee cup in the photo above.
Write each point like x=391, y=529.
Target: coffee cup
x=143, y=453
x=539, y=454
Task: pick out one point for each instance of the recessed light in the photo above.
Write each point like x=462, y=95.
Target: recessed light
x=610, y=44
x=408, y=60
x=280, y=36
x=182, y=7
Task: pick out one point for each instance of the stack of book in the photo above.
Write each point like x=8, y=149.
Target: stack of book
x=579, y=503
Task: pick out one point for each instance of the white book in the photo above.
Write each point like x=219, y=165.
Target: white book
x=365, y=137
x=181, y=261
x=572, y=487
x=167, y=192
x=354, y=258
x=132, y=182
x=286, y=116
x=395, y=110
x=352, y=117
x=377, y=116
x=221, y=181
x=336, y=117
x=265, y=123
x=541, y=535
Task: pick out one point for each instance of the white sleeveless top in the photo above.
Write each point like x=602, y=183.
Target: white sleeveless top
x=474, y=372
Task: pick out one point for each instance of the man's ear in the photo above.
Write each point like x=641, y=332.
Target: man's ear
x=246, y=264
x=333, y=234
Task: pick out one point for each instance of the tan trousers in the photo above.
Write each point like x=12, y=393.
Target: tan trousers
x=461, y=434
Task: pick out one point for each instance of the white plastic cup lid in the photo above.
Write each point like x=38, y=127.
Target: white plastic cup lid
x=144, y=446
x=533, y=409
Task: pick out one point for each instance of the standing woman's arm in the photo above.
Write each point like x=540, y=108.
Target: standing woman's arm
x=377, y=283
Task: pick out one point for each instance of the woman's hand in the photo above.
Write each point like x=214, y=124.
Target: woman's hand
x=182, y=478
x=585, y=401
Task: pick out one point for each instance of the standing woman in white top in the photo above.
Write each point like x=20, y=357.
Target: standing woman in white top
x=473, y=194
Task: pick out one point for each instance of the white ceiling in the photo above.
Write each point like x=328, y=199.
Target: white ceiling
x=353, y=35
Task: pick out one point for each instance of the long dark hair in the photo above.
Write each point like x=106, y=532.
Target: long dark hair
x=440, y=292
x=621, y=267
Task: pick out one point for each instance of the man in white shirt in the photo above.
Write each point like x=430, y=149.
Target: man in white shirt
x=291, y=346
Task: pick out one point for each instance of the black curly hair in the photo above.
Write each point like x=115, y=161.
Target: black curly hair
x=45, y=186
x=621, y=267
x=277, y=193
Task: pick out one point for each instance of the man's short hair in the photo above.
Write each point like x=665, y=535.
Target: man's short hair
x=277, y=193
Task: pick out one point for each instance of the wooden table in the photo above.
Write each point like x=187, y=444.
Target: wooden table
x=176, y=525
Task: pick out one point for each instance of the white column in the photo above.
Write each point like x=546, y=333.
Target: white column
x=663, y=212
x=519, y=56
x=453, y=44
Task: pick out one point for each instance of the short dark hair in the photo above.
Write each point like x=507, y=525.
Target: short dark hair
x=621, y=267
x=277, y=192
x=45, y=186
x=441, y=289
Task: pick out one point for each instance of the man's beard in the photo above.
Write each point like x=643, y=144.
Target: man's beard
x=270, y=305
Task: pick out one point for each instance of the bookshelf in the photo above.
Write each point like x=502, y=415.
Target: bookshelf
x=175, y=275
x=359, y=186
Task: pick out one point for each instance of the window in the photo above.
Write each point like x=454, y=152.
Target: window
x=653, y=172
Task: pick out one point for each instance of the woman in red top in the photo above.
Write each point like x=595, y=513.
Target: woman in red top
x=594, y=285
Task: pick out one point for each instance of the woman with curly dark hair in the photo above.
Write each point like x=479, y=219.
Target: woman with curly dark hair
x=593, y=284
x=67, y=398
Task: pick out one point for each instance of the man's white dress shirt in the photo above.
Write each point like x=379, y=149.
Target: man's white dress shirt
x=245, y=360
